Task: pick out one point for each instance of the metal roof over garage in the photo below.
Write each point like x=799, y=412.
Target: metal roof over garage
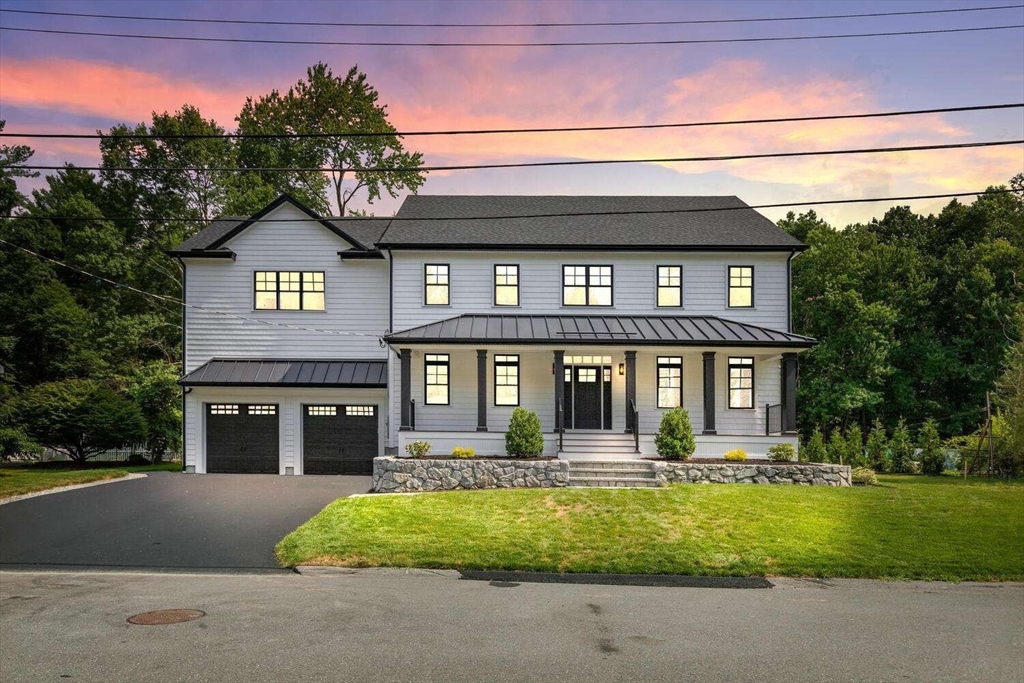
x=648, y=330
x=371, y=374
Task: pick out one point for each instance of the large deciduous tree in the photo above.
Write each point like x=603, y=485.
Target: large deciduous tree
x=332, y=106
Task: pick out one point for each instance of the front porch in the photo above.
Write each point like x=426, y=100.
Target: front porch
x=599, y=384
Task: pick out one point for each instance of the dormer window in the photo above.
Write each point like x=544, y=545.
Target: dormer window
x=289, y=290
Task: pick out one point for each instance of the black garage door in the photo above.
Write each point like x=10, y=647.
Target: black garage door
x=338, y=439
x=242, y=438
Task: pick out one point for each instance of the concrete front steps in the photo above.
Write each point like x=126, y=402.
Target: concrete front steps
x=598, y=445
x=612, y=474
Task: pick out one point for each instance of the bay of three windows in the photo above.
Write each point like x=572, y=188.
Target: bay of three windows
x=586, y=285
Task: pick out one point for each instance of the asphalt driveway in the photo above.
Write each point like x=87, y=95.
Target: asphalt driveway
x=167, y=520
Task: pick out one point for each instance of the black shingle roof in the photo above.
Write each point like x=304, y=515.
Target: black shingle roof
x=684, y=222
x=288, y=373
x=688, y=330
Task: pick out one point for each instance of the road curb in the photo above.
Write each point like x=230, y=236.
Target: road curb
x=72, y=487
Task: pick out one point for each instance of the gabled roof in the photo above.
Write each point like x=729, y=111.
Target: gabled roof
x=600, y=223
x=210, y=241
x=648, y=330
x=288, y=373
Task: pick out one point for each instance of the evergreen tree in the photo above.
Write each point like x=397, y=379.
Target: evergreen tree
x=854, y=447
x=836, y=449
x=933, y=459
x=877, y=446
x=814, y=449
x=901, y=450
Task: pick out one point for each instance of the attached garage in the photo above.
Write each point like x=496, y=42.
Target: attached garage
x=285, y=416
x=339, y=439
x=242, y=438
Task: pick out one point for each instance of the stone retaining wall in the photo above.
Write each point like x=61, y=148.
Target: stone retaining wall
x=751, y=473
x=398, y=475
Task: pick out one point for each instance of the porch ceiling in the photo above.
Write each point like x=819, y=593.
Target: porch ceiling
x=605, y=330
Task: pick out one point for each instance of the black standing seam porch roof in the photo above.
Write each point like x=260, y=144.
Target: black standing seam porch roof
x=367, y=374
x=648, y=330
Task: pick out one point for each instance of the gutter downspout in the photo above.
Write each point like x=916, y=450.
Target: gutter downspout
x=184, y=328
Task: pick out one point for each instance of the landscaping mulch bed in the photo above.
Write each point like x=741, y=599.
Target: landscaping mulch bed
x=749, y=461
x=514, y=458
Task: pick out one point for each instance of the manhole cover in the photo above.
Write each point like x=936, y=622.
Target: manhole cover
x=162, y=617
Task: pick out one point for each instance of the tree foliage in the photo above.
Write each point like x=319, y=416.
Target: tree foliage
x=933, y=458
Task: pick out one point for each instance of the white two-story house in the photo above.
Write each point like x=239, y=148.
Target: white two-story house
x=313, y=344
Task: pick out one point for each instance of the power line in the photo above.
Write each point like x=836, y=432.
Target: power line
x=267, y=22
x=356, y=43
x=530, y=164
x=179, y=302
x=568, y=214
x=494, y=131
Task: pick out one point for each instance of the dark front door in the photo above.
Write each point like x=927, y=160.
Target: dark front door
x=242, y=438
x=587, y=397
x=339, y=439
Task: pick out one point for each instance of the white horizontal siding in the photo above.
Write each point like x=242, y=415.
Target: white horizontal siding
x=356, y=294
x=634, y=284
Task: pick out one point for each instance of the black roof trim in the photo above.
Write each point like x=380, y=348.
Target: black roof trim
x=297, y=204
x=400, y=246
x=277, y=372
x=360, y=254
x=201, y=253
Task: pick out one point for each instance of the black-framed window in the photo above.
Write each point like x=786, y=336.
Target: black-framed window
x=586, y=285
x=506, y=380
x=288, y=290
x=436, y=284
x=741, y=286
x=506, y=284
x=670, y=285
x=670, y=381
x=741, y=382
x=436, y=367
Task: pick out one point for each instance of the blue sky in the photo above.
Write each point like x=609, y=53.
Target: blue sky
x=53, y=83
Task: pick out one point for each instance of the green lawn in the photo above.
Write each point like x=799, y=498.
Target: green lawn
x=16, y=480
x=908, y=528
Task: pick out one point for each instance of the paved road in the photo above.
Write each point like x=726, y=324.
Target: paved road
x=392, y=626
x=167, y=520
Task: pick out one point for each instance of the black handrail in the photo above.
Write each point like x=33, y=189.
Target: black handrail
x=635, y=420
x=412, y=414
x=559, y=426
x=772, y=419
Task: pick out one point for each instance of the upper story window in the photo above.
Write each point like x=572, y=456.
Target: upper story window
x=506, y=380
x=741, y=382
x=670, y=381
x=506, y=285
x=436, y=366
x=586, y=285
x=670, y=285
x=436, y=284
x=289, y=290
x=741, y=286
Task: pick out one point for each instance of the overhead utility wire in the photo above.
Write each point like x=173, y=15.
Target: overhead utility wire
x=551, y=24
x=179, y=302
x=530, y=164
x=495, y=131
x=568, y=214
x=359, y=43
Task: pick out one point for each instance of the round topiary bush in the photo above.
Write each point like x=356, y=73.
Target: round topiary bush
x=782, y=452
x=524, y=436
x=674, y=439
x=735, y=454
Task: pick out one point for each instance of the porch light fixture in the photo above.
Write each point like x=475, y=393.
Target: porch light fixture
x=622, y=369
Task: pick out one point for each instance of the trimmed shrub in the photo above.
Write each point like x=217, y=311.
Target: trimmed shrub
x=782, y=452
x=864, y=476
x=463, y=452
x=814, y=449
x=901, y=450
x=524, y=436
x=674, y=439
x=417, y=449
x=735, y=454
x=933, y=459
x=878, y=447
